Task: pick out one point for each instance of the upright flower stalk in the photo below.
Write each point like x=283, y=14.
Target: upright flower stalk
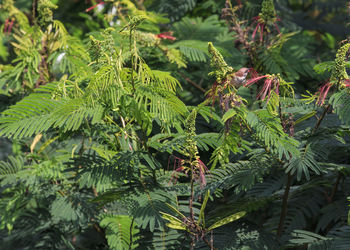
x=266, y=18
x=339, y=76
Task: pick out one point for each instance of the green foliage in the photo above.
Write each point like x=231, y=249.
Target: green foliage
x=129, y=126
x=23, y=120
x=302, y=163
x=340, y=102
x=270, y=131
x=121, y=231
x=226, y=220
x=314, y=241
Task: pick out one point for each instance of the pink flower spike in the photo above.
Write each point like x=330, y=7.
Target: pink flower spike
x=203, y=165
x=268, y=96
x=179, y=169
x=202, y=180
x=277, y=88
x=254, y=80
x=6, y=25
x=93, y=7
x=202, y=170
x=347, y=83
x=254, y=32
x=323, y=93
x=253, y=73
x=177, y=162
x=166, y=35
x=10, y=26
x=278, y=30
x=261, y=32
x=265, y=89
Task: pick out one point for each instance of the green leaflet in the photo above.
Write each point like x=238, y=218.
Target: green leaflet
x=228, y=115
x=204, y=204
x=227, y=220
x=174, y=222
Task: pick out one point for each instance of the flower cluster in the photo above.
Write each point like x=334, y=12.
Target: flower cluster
x=8, y=25
x=339, y=76
x=271, y=83
x=45, y=8
x=179, y=166
x=267, y=17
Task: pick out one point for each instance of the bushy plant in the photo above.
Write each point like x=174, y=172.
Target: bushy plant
x=214, y=125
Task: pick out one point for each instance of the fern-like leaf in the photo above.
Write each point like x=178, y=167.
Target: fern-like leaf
x=270, y=131
x=121, y=231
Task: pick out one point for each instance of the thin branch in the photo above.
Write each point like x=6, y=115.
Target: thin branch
x=132, y=60
x=335, y=188
x=140, y=4
x=284, y=204
x=319, y=121
x=34, y=6
x=131, y=226
x=290, y=178
x=209, y=244
x=100, y=231
x=197, y=86
x=192, y=193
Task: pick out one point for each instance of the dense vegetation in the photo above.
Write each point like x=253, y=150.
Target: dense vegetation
x=129, y=124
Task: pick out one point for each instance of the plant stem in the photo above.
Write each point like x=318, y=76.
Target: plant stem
x=34, y=6
x=197, y=86
x=335, y=187
x=192, y=194
x=209, y=244
x=132, y=61
x=321, y=118
x=290, y=178
x=191, y=202
x=284, y=204
x=131, y=226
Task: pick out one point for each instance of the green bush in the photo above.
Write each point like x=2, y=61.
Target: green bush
x=174, y=125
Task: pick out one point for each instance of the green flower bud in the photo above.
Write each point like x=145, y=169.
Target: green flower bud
x=339, y=69
x=217, y=62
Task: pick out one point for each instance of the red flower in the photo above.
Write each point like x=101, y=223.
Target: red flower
x=166, y=35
